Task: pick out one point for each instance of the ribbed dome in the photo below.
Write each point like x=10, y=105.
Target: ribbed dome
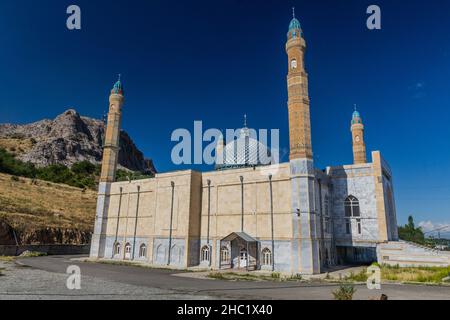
x=242, y=152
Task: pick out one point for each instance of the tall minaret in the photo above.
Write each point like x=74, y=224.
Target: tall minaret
x=298, y=97
x=108, y=175
x=111, y=145
x=305, y=241
x=359, y=147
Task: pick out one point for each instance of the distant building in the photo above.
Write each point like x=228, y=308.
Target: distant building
x=298, y=219
x=441, y=247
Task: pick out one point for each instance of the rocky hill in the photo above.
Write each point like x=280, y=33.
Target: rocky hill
x=68, y=139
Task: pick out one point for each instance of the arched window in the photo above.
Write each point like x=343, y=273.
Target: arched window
x=161, y=255
x=142, y=251
x=128, y=251
x=266, y=257
x=205, y=253
x=351, y=205
x=175, y=254
x=224, y=255
x=293, y=64
x=117, y=249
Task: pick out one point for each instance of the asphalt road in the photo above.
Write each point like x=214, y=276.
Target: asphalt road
x=217, y=289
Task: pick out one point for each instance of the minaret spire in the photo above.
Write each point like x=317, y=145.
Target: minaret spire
x=359, y=147
x=111, y=141
x=245, y=120
x=293, y=12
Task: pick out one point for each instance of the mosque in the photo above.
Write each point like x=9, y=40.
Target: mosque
x=244, y=215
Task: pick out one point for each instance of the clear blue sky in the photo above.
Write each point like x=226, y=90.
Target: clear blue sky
x=216, y=60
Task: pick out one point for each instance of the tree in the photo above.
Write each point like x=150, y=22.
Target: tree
x=410, y=233
x=83, y=168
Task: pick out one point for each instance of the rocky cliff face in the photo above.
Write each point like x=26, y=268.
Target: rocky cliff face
x=71, y=138
x=42, y=236
x=6, y=234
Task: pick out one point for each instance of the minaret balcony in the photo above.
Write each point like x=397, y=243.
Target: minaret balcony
x=295, y=42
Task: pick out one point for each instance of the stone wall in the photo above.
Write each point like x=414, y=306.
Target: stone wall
x=406, y=254
x=358, y=181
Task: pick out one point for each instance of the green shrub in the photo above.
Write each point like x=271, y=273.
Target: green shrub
x=376, y=264
x=345, y=292
x=275, y=275
x=217, y=275
x=295, y=277
x=9, y=165
x=84, y=168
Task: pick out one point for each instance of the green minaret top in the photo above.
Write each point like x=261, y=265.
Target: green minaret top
x=356, y=117
x=118, y=88
x=295, y=24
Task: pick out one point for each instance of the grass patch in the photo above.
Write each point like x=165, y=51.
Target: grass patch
x=135, y=264
x=32, y=254
x=357, y=277
x=235, y=276
x=7, y=258
x=295, y=277
x=431, y=275
x=29, y=205
x=415, y=274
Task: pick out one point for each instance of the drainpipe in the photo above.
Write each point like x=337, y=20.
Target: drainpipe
x=271, y=220
x=322, y=235
x=242, y=203
x=136, y=221
x=171, y=221
x=118, y=218
x=209, y=219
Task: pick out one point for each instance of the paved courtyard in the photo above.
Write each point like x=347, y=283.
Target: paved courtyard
x=45, y=278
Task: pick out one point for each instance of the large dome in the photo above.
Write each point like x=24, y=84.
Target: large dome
x=242, y=152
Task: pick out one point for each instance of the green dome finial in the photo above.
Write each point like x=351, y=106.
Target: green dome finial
x=295, y=24
x=356, y=117
x=118, y=88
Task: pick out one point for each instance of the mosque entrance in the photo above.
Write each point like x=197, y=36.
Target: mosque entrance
x=243, y=257
x=239, y=251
